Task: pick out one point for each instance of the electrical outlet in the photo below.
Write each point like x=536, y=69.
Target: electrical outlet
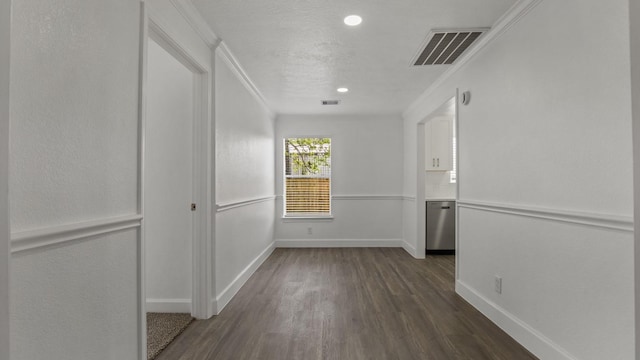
x=498, y=284
x=309, y=231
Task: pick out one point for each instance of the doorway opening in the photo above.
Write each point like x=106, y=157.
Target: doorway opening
x=168, y=184
x=438, y=180
x=175, y=255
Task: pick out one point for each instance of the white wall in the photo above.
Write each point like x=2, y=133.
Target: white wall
x=366, y=181
x=77, y=301
x=545, y=147
x=168, y=181
x=70, y=89
x=5, y=30
x=74, y=111
x=409, y=185
x=244, y=179
x=438, y=185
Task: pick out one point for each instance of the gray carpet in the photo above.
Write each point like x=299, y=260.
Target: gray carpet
x=162, y=328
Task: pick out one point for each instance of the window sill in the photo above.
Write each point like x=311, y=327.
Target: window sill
x=297, y=218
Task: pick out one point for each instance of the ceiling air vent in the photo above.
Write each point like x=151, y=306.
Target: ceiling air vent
x=330, y=102
x=443, y=47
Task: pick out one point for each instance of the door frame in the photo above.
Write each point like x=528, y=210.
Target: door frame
x=152, y=27
x=421, y=176
x=634, y=20
x=5, y=241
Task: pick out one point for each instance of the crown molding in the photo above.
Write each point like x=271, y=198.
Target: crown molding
x=192, y=15
x=506, y=21
x=227, y=56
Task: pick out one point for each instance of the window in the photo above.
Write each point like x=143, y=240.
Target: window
x=307, y=175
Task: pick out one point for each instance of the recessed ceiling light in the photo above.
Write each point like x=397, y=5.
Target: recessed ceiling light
x=343, y=90
x=353, y=20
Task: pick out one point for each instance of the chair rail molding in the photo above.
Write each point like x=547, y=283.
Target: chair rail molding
x=367, y=197
x=244, y=202
x=606, y=221
x=33, y=239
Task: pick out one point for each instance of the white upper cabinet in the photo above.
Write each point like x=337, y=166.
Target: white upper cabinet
x=439, y=144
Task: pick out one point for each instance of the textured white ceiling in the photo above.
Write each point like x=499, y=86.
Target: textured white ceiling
x=298, y=52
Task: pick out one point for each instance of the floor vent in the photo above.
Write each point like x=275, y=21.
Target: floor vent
x=330, y=102
x=443, y=47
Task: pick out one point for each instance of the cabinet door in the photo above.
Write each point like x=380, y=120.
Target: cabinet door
x=442, y=143
x=438, y=145
x=430, y=156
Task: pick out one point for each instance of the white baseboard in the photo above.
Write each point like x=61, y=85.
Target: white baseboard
x=230, y=291
x=214, y=306
x=169, y=305
x=534, y=341
x=411, y=250
x=337, y=243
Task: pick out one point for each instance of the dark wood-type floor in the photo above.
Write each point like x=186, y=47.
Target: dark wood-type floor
x=350, y=304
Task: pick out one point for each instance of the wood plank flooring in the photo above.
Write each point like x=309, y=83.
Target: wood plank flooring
x=364, y=303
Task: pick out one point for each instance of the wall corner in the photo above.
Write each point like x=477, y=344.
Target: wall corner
x=634, y=33
x=5, y=257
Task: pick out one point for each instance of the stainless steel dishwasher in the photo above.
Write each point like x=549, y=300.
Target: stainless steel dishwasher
x=441, y=227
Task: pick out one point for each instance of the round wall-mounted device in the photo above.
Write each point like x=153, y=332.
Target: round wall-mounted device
x=466, y=97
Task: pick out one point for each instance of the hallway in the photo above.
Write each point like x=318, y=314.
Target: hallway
x=350, y=303
x=547, y=141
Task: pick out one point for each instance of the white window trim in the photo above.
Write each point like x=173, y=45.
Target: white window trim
x=293, y=217
x=307, y=217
